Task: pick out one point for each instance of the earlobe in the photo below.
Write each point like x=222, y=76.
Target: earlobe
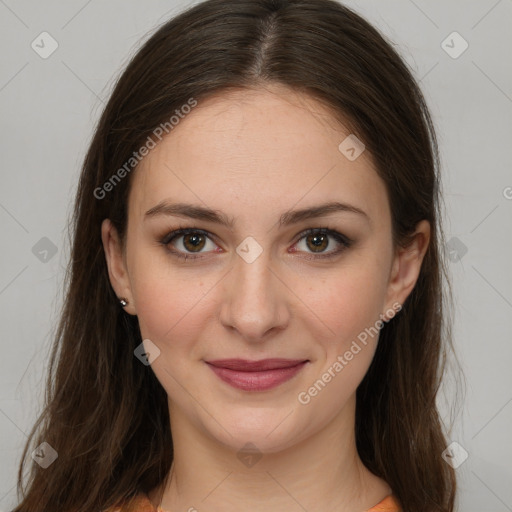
x=407, y=265
x=117, y=271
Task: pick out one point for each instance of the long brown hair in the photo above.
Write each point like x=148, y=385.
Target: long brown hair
x=106, y=414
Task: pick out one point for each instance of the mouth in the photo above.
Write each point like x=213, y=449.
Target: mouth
x=256, y=375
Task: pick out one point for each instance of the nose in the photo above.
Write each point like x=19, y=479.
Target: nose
x=255, y=300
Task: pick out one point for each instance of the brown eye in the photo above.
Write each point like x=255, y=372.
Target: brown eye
x=188, y=242
x=317, y=242
x=322, y=243
x=193, y=242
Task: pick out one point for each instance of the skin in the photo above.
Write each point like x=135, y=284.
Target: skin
x=254, y=155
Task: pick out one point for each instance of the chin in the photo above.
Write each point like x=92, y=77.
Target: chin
x=268, y=430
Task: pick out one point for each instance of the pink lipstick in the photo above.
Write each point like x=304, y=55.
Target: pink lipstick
x=256, y=375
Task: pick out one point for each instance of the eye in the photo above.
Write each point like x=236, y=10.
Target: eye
x=192, y=239
x=318, y=240
x=188, y=243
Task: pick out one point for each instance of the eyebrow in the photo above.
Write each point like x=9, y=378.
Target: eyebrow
x=288, y=218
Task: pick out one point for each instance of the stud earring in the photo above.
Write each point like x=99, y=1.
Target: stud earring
x=123, y=302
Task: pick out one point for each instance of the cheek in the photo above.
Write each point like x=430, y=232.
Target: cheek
x=347, y=302
x=167, y=303
x=347, y=309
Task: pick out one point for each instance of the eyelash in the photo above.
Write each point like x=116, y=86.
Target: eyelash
x=340, y=238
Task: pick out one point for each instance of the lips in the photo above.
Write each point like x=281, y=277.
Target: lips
x=255, y=366
x=256, y=375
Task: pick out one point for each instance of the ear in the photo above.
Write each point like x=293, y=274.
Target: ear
x=117, y=272
x=407, y=265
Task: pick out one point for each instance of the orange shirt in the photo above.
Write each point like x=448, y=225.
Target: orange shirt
x=141, y=503
x=388, y=504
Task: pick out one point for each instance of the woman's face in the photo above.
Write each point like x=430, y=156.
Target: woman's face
x=248, y=282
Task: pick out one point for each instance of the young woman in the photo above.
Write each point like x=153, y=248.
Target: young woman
x=254, y=317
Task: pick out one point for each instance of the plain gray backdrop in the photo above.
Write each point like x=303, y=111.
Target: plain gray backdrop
x=50, y=104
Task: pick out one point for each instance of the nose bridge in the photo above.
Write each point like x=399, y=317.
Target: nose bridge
x=254, y=303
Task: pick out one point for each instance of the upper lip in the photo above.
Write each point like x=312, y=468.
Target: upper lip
x=255, y=366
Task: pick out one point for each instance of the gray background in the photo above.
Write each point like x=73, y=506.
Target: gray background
x=49, y=107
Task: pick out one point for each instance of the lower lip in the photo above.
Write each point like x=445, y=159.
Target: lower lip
x=257, y=381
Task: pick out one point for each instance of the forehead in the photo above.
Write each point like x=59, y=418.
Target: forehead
x=249, y=152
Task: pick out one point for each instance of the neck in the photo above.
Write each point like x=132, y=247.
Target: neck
x=322, y=472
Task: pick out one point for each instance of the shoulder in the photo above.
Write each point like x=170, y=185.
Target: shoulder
x=138, y=503
x=388, y=504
